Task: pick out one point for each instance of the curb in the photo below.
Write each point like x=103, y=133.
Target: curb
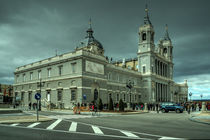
x=25, y=120
x=193, y=120
x=10, y=111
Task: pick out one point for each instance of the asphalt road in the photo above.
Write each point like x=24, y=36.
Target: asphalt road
x=164, y=124
x=138, y=126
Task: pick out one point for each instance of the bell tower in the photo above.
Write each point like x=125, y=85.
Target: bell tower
x=146, y=47
x=167, y=45
x=146, y=35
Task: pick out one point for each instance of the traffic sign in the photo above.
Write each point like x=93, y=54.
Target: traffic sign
x=84, y=96
x=37, y=96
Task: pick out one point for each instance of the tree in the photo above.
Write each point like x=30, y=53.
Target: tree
x=100, y=105
x=121, y=105
x=111, y=107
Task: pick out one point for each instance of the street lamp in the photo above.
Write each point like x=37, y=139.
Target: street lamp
x=190, y=94
x=201, y=96
x=40, y=84
x=130, y=85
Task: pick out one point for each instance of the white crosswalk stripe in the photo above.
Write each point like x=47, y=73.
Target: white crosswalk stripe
x=54, y=124
x=73, y=127
x=129, y=134
x=33, y=125
x=15, y=124
x=97, y=130
x=78, y=127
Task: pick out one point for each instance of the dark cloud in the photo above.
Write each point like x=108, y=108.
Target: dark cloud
x=31, y=30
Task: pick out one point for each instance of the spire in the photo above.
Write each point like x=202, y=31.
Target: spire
x=146, y=18
x=166, y=37
x=89, y=31
x=90, y=23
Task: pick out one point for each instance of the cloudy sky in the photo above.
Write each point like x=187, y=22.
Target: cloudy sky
x=31, y=30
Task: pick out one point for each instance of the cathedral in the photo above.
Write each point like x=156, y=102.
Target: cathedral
x=86, y=75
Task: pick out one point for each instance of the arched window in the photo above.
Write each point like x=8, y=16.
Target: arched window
x=144, y=36
x=165, y=50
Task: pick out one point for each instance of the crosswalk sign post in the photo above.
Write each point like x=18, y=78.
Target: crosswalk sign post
x=37, y=97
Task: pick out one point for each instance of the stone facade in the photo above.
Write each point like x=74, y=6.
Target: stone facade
x=86, y=75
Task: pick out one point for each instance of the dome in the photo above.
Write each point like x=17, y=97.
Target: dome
x=90, y=40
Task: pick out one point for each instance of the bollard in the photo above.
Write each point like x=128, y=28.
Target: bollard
x=203, y=107
x=145, y=107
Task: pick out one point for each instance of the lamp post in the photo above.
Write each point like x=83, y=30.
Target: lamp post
x=190, y=94
x=130, y=85
x=40, y=84
x=201, y=96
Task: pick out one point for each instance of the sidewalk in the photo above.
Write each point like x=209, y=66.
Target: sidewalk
x=9, y=110
x=200, y=117
x=8, y=115
x=19, y=119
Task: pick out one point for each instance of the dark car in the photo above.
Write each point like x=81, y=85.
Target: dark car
x=168, y=106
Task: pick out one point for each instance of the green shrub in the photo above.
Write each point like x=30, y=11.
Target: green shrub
x=111, y=107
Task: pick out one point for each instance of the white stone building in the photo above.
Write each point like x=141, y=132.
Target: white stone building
x=86, y=75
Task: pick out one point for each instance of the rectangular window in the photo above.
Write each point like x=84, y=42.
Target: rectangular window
x=73, y=95
x=39, y=74
x=117, y=97
x=31, y=76
x=29, y=96
x=59, y=95
x=144, y=69
x=60, y=70
x=124, y=98
x=135, y=97
x=73, y=66
x=22, y=96
x=24, y=77
x=49, y=72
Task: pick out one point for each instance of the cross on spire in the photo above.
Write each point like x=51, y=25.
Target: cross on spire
x=166, y=37
x=146, y=18
x=89, y=31
x=90, y=23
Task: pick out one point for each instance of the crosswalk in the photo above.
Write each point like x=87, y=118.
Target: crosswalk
x=77, y=127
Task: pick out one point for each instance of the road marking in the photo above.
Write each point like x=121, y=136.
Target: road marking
x=73, y=127
x=129, y=134
x=166, y=138
x=32, y=125
x=54, y=124
x=82, y=133
x=97, y=130
x=15, y=124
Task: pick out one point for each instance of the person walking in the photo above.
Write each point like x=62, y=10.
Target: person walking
x=92, y=109
x=157, y=107
x=188, y=108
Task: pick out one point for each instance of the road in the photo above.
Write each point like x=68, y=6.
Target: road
x=138, y=126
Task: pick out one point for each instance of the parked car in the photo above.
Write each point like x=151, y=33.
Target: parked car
x=169, y=106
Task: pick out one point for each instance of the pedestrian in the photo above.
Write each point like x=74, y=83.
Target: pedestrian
x=188, y=108
x=92, y=109
x=157, y=107
x=29, y=105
